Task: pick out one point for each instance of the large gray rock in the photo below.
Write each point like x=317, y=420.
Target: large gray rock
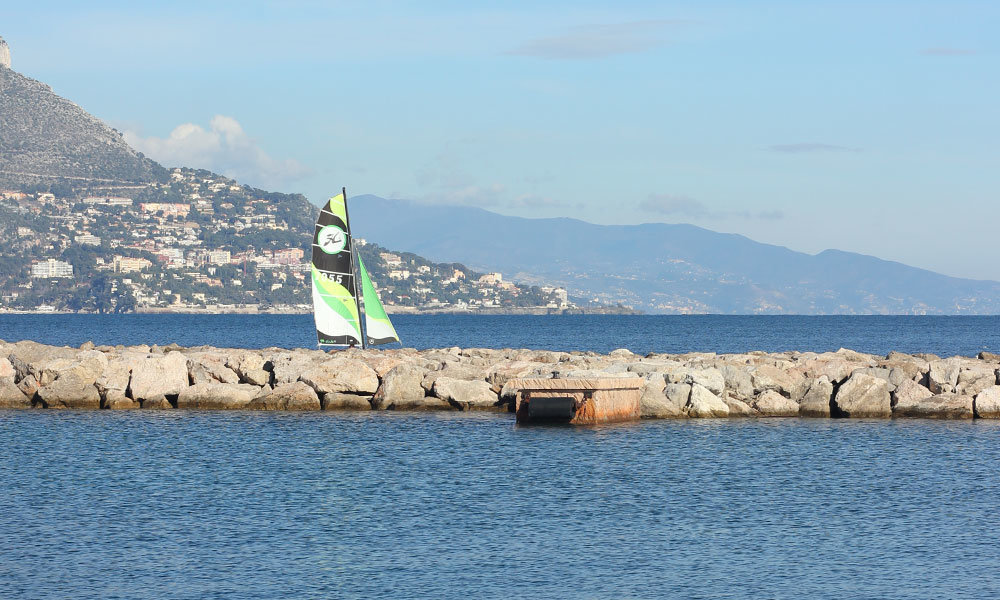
x=157, y=375
x=6, y=368
x=739, y=408
x=653, y=403
x=341, y=375
x=939, y=406
x=286, y=367
x=678, y=394
x=943, y=375
x=704, y=404
x=30, y=358
x=784, y=382
x=973, y=380
x=863, y=396
x=401, y=389
x=454, y=371
x=816, y=401
x=710, y=379
x=287, y=396
x=466, y=395
x=344, y=401
x=113, y=384
x=987, y=403
x=11, y=396
x=69, y=382
x=770, y=403
x=216, y=396
x=249, y=366
x=210, y=367
x=909, y=393
x=738, y=381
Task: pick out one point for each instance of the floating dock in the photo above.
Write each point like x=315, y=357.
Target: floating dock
x=578, y=401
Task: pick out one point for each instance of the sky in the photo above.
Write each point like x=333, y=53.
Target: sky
x=862, y=126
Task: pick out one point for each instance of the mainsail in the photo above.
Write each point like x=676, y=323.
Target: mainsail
x=334, y=288
x=337, y=297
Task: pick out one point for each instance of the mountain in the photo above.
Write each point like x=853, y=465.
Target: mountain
x=47, y=139
x=668, y=268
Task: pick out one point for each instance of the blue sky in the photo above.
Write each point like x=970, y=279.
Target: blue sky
x=863, y=126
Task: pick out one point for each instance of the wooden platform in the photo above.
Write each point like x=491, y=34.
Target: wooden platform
x=578, y=401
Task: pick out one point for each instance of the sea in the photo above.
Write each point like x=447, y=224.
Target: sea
x=190, y=504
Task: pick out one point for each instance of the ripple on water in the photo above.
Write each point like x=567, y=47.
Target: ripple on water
x=368, y=505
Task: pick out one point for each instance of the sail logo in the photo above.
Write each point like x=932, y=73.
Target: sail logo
x=331, y=239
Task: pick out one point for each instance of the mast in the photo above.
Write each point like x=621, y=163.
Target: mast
x=354, y=271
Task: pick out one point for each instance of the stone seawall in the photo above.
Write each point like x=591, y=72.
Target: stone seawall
x=696, y=385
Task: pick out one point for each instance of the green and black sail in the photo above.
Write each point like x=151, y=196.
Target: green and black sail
x=335, y=302
x=338, y=295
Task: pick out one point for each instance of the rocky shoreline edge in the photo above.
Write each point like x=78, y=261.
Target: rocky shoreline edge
x=841, y=384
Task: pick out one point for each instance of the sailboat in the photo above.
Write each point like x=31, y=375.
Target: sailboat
x=347, y=308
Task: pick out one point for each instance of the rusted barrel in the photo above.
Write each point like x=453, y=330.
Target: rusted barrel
x=578, y=400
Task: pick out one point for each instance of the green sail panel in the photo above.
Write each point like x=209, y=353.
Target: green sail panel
x=334, y=303
x=378, y=327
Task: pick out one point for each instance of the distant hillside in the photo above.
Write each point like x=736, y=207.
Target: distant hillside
x=669, y=268
x=45, y=138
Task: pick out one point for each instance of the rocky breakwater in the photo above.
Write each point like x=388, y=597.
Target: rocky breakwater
x=697, y=385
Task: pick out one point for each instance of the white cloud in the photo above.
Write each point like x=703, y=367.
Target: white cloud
x=598, y=41
x=223, y=148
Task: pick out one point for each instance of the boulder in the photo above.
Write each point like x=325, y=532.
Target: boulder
x=738, y=381
x=11, y=396
x=816, y=401
x=30, y=358
x=770, y=403
x=621, y=353
x=69, y=383
x=454, y=371
x=113, y=383
x=972, y=380
x=704, y=404
x=341, y=375
x=987, y=403
x=710, y=379
x=989, y=357
x=943, y=375
x=678, y=394
x=344, y=401
x=120, y=403
x=401, y=389
x=249, y=366
x=938, y=406
x=286, y=396
x=909, y=393
x=6, y=369
x=157, y=375
x=286, y=367
x=739, y=408
x=779, y=380
x=159, y=402
x=863, y=396
x=210, y=367
x=216, y=396
x=879, y=372
x=498, y=375
x=466, y=395
x=653, y=403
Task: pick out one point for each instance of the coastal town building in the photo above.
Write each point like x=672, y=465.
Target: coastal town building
x=51, y=268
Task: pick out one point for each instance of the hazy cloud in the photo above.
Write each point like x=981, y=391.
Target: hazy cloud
x=224, y=148
x=803, y=148
x=666, y=204
x=683, y=206
x=944, y=51
x=598, y=41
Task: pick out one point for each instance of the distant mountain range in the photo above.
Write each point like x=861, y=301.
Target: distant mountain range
x=668, y=268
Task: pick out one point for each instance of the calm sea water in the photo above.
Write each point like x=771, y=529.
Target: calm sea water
x=945, y=336
x=100, y=505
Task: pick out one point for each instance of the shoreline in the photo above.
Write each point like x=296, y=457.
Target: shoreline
x=841, y=384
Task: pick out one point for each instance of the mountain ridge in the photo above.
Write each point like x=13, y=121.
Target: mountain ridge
x=671, y=268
